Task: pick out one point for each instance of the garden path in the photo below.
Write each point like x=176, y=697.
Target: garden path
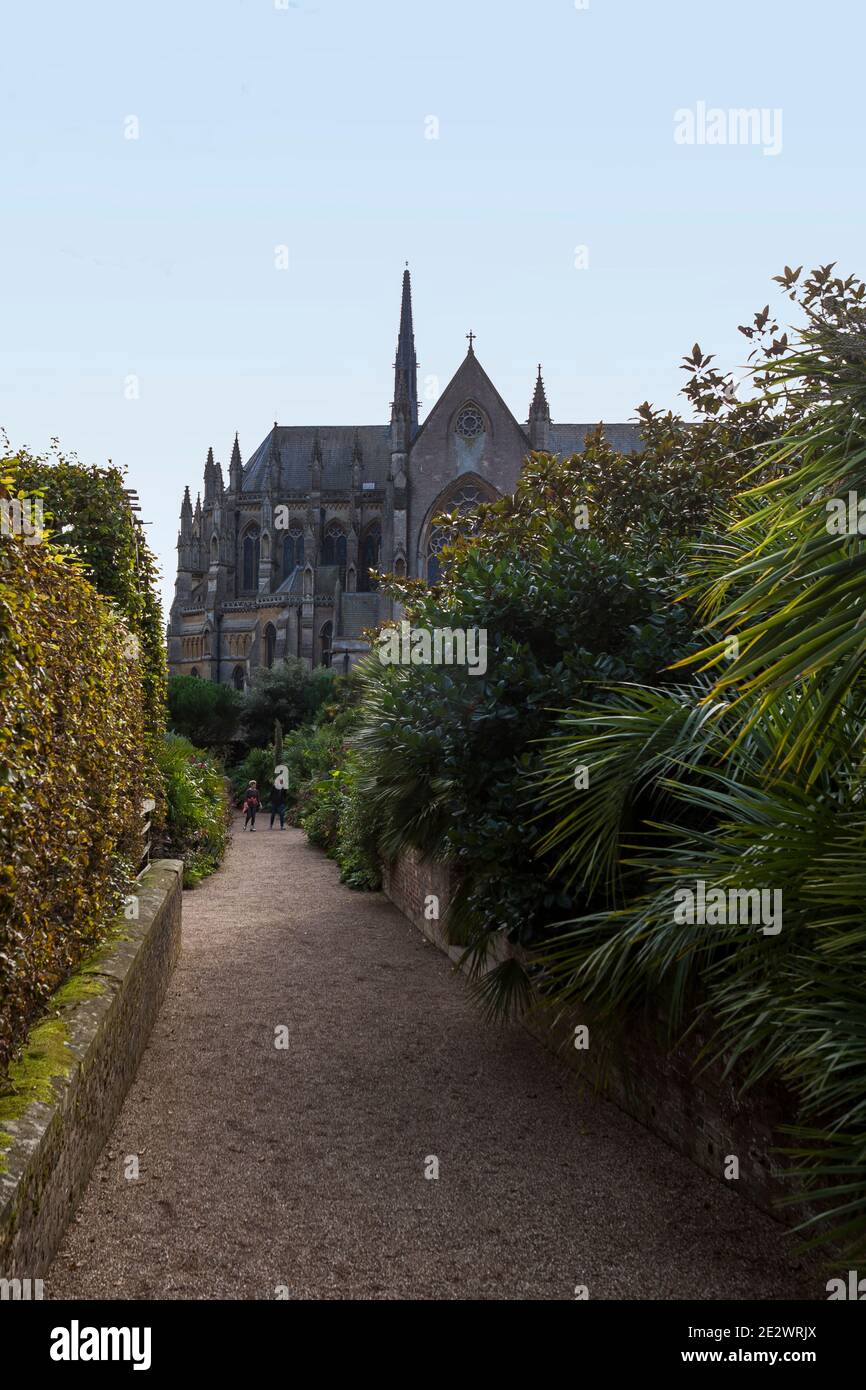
x=304, y=1167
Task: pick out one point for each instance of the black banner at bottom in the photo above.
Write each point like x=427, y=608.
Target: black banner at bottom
x=155, y=1338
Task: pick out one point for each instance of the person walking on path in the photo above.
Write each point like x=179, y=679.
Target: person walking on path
x=252, y=804
x=278, y=805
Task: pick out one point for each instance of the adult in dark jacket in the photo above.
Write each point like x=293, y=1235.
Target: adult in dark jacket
x=278, y=806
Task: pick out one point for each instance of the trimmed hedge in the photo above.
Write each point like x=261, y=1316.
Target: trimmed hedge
x=87, y=514
x=73, y=768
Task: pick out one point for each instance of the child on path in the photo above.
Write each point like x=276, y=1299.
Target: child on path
x=252, y=804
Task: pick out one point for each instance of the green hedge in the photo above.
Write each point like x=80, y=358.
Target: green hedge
x=73, y=769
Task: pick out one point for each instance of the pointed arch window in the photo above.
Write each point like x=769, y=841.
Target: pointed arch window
x=238, y=678
x=435, y=542
x=371, y=552
x=293, y=550
x=252, y=556
x=334, y=545
x=464, y=498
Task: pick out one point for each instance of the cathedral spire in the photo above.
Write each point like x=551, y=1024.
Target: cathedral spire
x=236, y=468
x=185, y=533
x=539, y=416
x=406, y=365
x=539, y=404
x=209, y=476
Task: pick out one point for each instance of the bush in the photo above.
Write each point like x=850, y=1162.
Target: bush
x=87, y=513
x=319, y=812
x=749, y=776
x=308, y=752
x=73, y=772
x=355, y=850
x=205, y=712
x=289, y=692
x=331, y=813
x=196, y=830
x=446, y=757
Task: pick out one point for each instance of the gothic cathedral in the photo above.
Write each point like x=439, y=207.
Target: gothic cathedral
x=283, y=561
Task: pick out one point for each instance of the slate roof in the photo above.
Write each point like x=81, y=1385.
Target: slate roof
x=291, y=583
x=569, y=439
x=295, y=446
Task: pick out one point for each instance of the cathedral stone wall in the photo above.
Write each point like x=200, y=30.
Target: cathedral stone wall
x=446, y=452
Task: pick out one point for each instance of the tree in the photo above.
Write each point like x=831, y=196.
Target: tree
x=203, y=711
x=447, y=757
x=289, y=692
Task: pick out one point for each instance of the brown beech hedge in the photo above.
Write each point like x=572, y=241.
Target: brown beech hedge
x=73, y=769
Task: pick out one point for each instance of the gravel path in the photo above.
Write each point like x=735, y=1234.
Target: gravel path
x=304, y=1167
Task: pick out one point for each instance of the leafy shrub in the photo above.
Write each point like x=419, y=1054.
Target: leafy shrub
x=289, y=692
x=749, y=776
x=331, y=813
x=319, y=813
x=316, y=748
x=446, y=756
x=355, y=850
x=73, y=771
x=196, y=828
x=205, y=712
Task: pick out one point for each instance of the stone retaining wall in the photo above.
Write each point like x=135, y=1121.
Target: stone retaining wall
x=698, y=1112
x=77, y=1066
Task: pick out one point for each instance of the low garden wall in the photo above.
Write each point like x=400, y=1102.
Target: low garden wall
x=696, y=1111
x=76, y=1068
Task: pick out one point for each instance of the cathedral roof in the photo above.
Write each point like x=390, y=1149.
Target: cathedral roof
x=295, y=446
x=569, y=439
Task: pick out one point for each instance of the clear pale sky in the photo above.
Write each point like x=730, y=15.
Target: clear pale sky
x=304, y=127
